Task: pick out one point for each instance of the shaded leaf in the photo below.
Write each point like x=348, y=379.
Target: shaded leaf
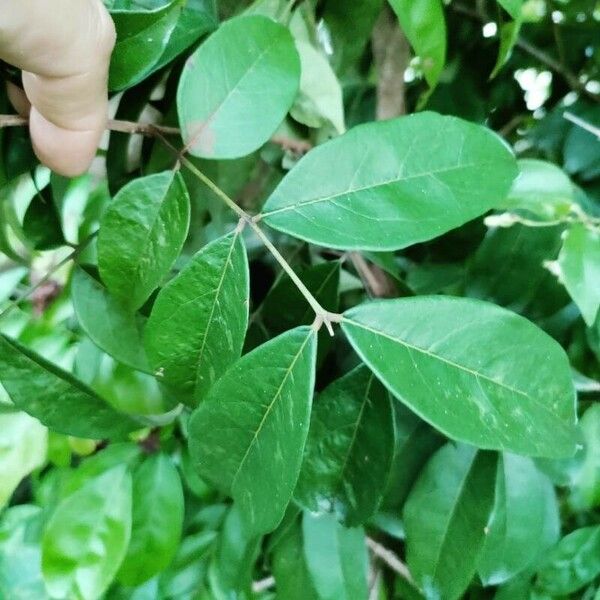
x=420, y=175
x=55, y=397
x=237, y=88
x=157, y=520
x=107, y=322
x=445, y=518
x=142, y=37
x=585, y=483
x=141, y=235
x=476, y=372
x=349, y=449
x=248, y=439
x=199, y=320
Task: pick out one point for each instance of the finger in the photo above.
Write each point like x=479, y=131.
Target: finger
x=64, y=47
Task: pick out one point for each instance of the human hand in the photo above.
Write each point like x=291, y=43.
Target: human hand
x=63, y=48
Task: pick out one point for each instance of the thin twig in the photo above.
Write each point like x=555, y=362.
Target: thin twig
x=70, y=257
x=583, y=124
x=390, y=559
x=373, y=278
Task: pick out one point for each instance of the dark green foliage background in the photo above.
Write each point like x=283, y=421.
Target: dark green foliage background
x=424, y=178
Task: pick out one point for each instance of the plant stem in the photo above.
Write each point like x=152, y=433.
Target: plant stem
x=583, y=124
x=72, y=256
x=323, y=316
x=390, y=559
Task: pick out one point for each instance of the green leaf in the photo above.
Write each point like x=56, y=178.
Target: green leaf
x=248, y=436
x=579, y=263
x=509, y=35
x=541, y=188
x=237, y=87
x=445, y=518
x=292, y=578
x=396, y=183
x=478, y=373
x=23, y=447
x=87, y=536
x=55, y=397
x=319, y=101
x=525, y=521
x=199, y=320
x=141, y=235
x=41, y=222
x=349, y=450
x=585, y=484
x=157, y=520
x=512, y=7
x=424, y=25
x=142, y=37
x=234, y=557
x=574, y=562
x=107, y=322
x=336, y=558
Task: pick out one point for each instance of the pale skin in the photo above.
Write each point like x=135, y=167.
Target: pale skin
x=64, y=48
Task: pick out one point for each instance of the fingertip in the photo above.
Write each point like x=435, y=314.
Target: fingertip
x=66, y=152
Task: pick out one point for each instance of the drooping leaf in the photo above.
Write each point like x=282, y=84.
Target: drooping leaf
x=199, y=320
x=23, y=447
x=478, y=373
x=509, y=35
x=349, y=449
x=142, y=38
x=107, y=322
x=579, y=263
x=525, y=521
x=336, y=557
x=158, y=506
x=541, y=188
x=141, y=235
x=55, y=397
x=445, y=518
x=424, y=25
x=237, y=88
x=248, y=439
x=87, y=536
x=396, y=183
x=292, y=578
x=573, y=562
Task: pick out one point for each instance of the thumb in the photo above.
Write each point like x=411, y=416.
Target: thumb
x=64, y=48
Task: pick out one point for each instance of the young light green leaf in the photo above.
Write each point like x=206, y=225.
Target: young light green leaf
x=445, y=518
x=157, y=520
x=292, y=579
x=525, y=521
x=319, y=101
x=55, y=397
x=142, y=37
x=23, y=448
x=585, y=484
x=541, y=188
x=579, y=263
x=424, y=25
x=87, y=536
x=225, y=110
x=397, y=183
x=107, y=322
x=477, y=372
x=574, y=562
x=349, y=450
x=336, y=557
x=199, y=320
x=141, y=235
x=248, y=438
x=512, y=7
